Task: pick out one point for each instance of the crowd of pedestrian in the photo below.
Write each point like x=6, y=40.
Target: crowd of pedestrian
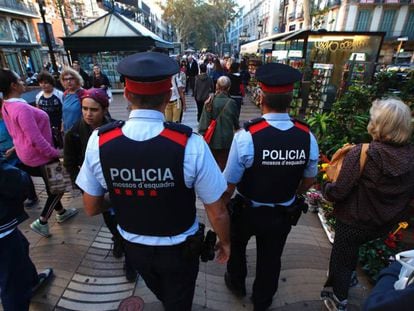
x=144, y=174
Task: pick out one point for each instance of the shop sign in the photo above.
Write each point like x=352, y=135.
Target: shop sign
x=360, y=57
x=322, y=66
x=345, y=45
x=295, y=53
x=280, y=54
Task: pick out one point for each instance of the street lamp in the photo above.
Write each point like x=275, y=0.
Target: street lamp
x=260, y=28
x=401, y=40
x=47, y=36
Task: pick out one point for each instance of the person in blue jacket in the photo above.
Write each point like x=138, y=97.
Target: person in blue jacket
x=385, y=297
x=18, y=275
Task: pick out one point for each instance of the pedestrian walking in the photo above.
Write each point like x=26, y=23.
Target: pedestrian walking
x=235, y=91
x=95, y=104
x=30, y=129
x=176, y=105
x=72, y=111
x=368, y=203
x=50, y=100
x=223, y=109
x=203, y=87
x=271, y=161
x=18, y=276
x=86, y=83
x=153, y=171
x=8, y=152
x=191, y=72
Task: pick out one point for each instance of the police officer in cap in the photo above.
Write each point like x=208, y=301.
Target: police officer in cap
x=153, y=171
x=272, y=161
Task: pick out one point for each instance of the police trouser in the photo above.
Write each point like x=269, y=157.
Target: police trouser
x=17, y=272
x=167, y=273
x=271, y=227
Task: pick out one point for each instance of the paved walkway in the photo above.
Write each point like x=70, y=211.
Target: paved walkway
x=87, y=277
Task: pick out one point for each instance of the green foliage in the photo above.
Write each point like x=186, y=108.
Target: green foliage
x=198, y=21
x=346, y=123
x=319, y=123
x=384, y=81
x=374, y=255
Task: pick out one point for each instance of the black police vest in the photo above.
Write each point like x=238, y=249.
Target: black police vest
x=145, y=180
x=280, y=157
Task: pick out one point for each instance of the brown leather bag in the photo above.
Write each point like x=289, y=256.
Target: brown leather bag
x=335, y=165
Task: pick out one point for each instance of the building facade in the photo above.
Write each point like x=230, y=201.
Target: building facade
x=19, y=46
x=395, y=17
x=148, y=13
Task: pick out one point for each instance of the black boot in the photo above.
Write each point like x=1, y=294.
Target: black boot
x=118, y=248
x=130, y=273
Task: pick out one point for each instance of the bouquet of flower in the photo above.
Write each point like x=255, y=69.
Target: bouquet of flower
x=313, y=197
x=375, y=255
x=322, y=166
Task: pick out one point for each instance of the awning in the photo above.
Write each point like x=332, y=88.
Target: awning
x=264, y=43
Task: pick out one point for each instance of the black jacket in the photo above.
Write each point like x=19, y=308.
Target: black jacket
x=76, y=140
x=192, y=69
x=14, y=186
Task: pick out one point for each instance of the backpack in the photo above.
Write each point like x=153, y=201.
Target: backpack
x=335, y=165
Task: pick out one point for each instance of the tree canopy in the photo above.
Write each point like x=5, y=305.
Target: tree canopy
x=199, y=22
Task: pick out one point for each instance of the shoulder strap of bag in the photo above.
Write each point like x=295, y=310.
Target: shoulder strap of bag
x=224, y=107
x=363, y=157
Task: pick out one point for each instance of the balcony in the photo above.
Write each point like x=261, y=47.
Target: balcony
x=19, y=7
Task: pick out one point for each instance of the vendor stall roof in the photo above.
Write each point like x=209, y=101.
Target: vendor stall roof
x=113, y=26
x=252, y=47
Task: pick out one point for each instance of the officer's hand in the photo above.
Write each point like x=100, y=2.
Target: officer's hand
x=223, y=252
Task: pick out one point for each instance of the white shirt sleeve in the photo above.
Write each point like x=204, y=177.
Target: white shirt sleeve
x=202, y=172
x=38, y=97
x=59, y=94
x=240, y=158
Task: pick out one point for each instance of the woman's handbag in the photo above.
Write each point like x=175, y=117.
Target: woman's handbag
x=210, y=131
x=57, y=178
x=335, y=165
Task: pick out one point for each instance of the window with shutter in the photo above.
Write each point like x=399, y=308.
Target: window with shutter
x=409, y=27
x=387, y=23
x=363, y=21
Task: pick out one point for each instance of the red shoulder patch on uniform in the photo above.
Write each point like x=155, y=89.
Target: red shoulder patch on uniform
x=108, y=136
x=301, y=126
x=179, y=138
x=258, y=127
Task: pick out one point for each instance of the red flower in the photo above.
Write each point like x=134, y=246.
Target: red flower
x=390, y=241
x=399, y=236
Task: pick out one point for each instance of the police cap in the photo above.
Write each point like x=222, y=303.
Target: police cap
x=277, y=78
x=148, y=73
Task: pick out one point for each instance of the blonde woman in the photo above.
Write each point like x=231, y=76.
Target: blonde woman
x=368, y=204
x=72, y=109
